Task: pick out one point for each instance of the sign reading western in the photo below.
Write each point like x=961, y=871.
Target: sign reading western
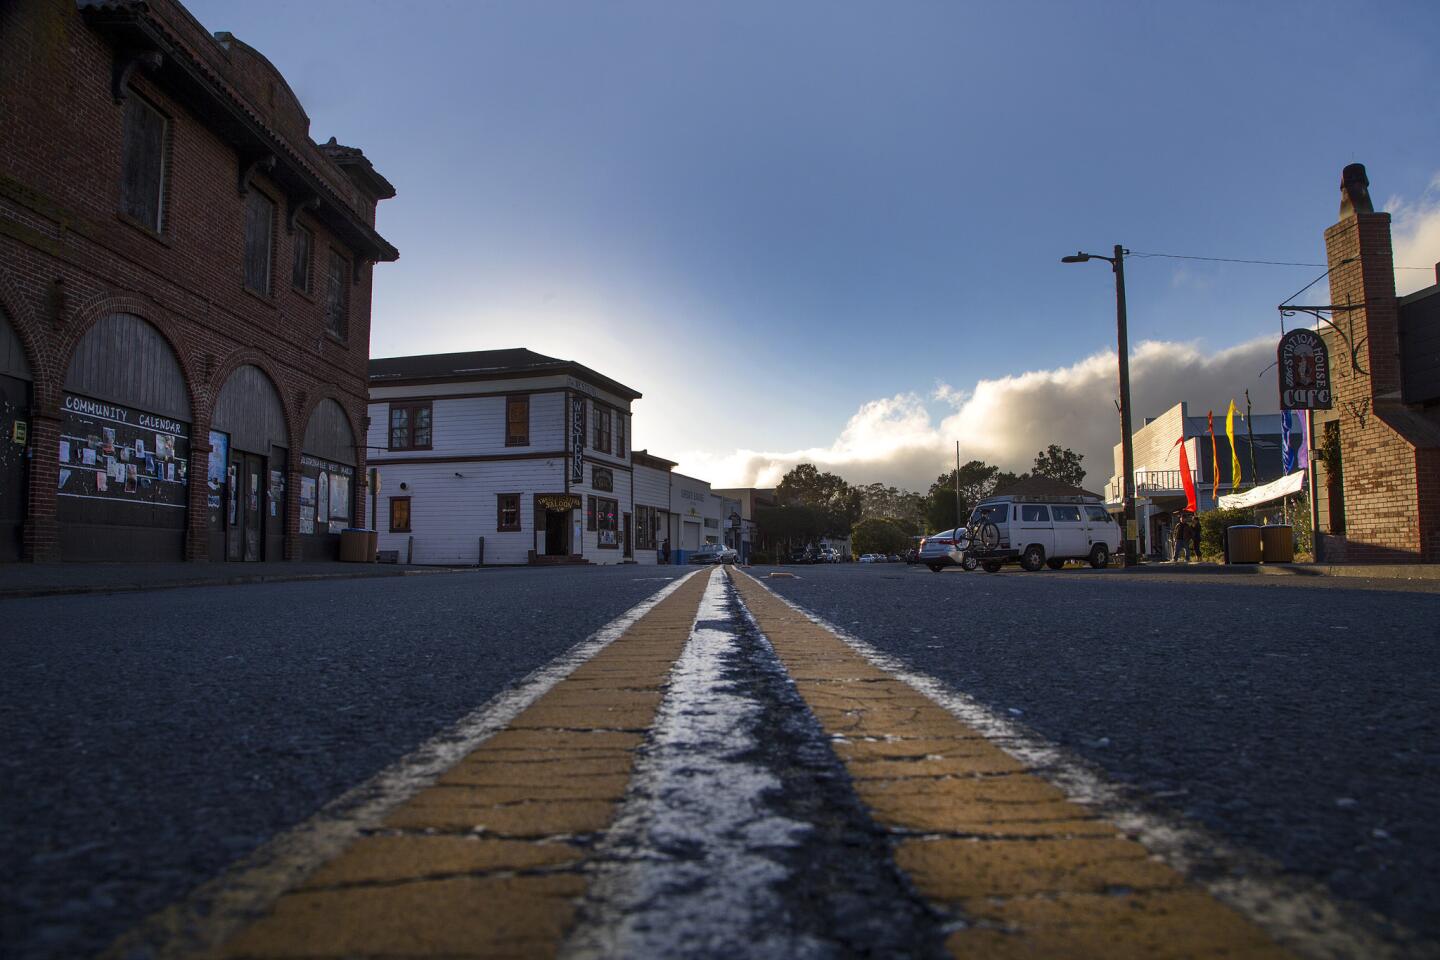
x=1304, y=363
x=577, y=440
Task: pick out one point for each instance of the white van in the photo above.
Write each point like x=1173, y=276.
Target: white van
x=1040, y=531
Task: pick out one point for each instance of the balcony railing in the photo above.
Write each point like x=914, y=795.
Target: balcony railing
x=1149, y=483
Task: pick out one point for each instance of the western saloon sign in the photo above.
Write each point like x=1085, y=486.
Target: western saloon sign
x=1304, y=363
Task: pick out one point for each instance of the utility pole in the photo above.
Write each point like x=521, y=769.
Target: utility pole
x=959, y=520
x=1127, y=447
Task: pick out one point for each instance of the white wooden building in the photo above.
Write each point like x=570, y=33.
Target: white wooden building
x=501, y=457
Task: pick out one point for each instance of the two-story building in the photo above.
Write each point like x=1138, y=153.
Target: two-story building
x=184, y=295
x=1159, y=485
x=501, y=457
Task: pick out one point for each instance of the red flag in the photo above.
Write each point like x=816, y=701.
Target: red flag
x=1214, y=459
x=1185, y=478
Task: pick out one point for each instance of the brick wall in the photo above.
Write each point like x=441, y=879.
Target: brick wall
x=67, y=258
x=1381, y=469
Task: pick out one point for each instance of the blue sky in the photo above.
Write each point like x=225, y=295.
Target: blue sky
x=765, y=216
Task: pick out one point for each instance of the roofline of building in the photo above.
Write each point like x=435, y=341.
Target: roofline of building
x=648, y=459
x=578, y=370
x=135, y=32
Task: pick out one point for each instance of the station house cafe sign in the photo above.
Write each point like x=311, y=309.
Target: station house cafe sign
x=1304, y=363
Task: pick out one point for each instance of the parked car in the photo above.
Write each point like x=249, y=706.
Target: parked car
x=944, y=549
x=869, y=558
x=714, y=553
x=1038, y=532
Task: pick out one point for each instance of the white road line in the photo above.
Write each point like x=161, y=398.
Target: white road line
x=214, y=911
x=1299, y=913
x=683, y=872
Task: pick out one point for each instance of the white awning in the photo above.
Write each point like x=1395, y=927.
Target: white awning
x=1286, y=486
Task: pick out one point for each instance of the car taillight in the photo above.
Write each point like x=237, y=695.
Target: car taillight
x=943, y=541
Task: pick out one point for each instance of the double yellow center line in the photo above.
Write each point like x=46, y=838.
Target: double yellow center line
x=491, y=860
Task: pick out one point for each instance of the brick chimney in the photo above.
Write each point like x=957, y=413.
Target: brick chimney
x=1362, y=271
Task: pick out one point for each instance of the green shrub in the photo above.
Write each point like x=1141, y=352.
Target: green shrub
x=1212, y=529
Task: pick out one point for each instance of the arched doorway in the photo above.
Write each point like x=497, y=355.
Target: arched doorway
x=124, y=446
x=249, y=443
x=15, y=393
x=327, y=481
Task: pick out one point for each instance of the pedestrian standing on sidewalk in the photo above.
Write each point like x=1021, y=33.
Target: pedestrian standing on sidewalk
x=1195, y=536
x=1182, y=539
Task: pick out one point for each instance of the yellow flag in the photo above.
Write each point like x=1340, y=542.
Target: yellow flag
x=1234, y=456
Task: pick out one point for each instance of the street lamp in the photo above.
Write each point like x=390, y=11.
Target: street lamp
x=1127, y=451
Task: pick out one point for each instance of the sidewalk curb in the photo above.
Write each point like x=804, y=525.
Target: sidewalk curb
x=16, y=593
x=1379, y=571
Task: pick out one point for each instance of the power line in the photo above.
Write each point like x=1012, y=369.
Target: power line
x=1271, y=263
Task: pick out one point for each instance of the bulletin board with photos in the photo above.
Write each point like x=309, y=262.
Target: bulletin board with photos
x=325, y=499
x=111, y=452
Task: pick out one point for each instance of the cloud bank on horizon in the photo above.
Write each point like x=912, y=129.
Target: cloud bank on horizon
x=909, y=439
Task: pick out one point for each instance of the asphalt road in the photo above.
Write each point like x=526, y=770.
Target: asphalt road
x=153, y=738
x=1299, y=719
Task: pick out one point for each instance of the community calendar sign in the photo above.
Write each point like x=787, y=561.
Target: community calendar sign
x=1304, y=364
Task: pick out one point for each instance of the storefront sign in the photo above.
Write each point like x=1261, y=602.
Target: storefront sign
x=114, y=453
x=1304, y=363
x=577, y=440
x=19, y=431
x=601, y=478
x=557, y=501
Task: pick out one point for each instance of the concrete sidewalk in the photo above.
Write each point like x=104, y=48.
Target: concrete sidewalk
x=51, y=579
x=1369, y=571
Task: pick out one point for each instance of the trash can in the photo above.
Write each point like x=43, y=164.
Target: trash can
x=354, y=545
x=1277, y=543
x=374, y=545
x=1243, y=541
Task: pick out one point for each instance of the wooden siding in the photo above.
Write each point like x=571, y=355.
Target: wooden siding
x=125, y=360
x=12, y=352
x=449, y=514
x=328, y=434
x=380, y=390
x=249, y=409
x=474, y=426
x=652, y=487
x=592, y=550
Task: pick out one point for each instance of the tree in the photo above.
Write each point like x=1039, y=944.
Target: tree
x=977, y=480
x=1060, y=463
x=878, y=536
x=902, y=507
x=804, y=485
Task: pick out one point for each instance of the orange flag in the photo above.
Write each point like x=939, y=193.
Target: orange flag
x=1214, y=459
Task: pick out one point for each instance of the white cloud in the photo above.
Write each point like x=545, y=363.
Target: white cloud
x=1005, y=421
x=1415, y=229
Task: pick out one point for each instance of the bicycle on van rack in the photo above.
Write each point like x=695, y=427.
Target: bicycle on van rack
x=977, y=540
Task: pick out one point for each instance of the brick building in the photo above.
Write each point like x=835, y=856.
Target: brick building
x=185, y=281
x=1378, y=485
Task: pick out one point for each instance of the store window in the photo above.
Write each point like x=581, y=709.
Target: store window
x=647, y=525
x=602, y=429
x=411, y=426
x=324, y=495
x=507, y=512
x=517, y=421
x=607, y=522
x=399, y=514
x=619, y=434
x=259, y=240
